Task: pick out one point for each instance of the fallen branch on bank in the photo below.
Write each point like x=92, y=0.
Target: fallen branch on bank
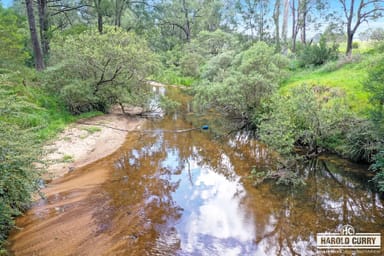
x=204, y=127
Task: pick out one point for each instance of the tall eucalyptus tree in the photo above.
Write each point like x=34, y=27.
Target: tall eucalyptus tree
x=357, y=12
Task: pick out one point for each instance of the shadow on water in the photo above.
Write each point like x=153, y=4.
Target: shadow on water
x=188, y=194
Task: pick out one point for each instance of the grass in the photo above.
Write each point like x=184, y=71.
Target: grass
x=92, y=129
x=348, y=77
x=67, y=159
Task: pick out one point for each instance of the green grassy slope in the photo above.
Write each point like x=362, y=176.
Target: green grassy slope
x=348, y=77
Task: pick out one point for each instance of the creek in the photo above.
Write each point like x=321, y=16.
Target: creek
x=188, y=193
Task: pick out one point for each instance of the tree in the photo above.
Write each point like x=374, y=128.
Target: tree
x=181, y=15
x=276, y=20
x=308, y=116
x=94, y=71
x=254, y=17
x=202, y=48
x=44, y=26
x=301, y=10
x=37, y=53
x=376, y=34
x=357, y=12
x=13, y=37
x=284, y=29
x=235, y=84
x=119, y=7
x=375, y=86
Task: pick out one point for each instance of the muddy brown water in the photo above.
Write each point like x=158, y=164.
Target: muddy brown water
x=167, y=193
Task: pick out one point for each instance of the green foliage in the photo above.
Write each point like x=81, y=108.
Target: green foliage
x=205, y=46
x=308, y=116
x=28, y=117
x=375, y=86
x=172, y=77
x=13, y=38
x=362, y=141
x=18, y=152
x=94, y=71
x=378, y=167
x=342, y=75
x=317, y=54
x=235, y=84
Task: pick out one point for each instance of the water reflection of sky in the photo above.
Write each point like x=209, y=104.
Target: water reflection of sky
x=213, y=222
x=208, y=210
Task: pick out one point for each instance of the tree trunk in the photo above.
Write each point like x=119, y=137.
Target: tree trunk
x=99, y=15
x=44, y=27
x=349, y=44
x=276, y=20
x=284, y=31
x=294, y=26
x=261, y=21
x=100, y=22
x=39, y=62
x=302, y=16
x=187, y=27
x=350, y=31
x=304, y=30
x=119, y=8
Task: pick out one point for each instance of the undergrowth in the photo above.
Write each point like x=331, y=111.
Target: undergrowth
x=28, y=117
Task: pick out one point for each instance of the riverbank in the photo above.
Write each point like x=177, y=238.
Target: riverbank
x=66, y=221
x=86, y=141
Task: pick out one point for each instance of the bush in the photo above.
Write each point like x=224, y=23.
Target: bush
x=235, y=84
x=375, y=86
x=308, y=116
x=18, y=151
x=94, y=71
x=204, y=47
x=378, y=167
x=317, y=54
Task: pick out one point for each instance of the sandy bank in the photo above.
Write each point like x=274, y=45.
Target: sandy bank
x=81, y=144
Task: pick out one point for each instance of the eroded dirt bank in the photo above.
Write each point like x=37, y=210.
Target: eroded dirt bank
x=67, y=222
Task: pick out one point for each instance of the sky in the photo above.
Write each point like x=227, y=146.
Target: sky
x=334, y=5
x=6, y=3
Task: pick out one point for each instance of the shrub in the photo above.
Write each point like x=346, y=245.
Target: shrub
x=378, y=167
x=235, y=84
x=317, y=54
x=375, y=86
x=204, y=47
x=94, y=71
x=18, y=152
x=308, y=116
